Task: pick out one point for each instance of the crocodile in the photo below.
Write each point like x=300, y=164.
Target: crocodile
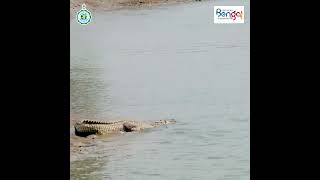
x=89, y=127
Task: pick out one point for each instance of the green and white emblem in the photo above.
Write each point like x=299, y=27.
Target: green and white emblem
x=84, y=16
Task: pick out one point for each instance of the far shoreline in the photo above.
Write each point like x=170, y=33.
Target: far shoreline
x=98, y=5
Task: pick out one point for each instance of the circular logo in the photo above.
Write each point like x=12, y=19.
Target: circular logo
x=84, y=16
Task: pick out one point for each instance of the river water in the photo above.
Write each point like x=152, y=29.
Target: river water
x=163, y=62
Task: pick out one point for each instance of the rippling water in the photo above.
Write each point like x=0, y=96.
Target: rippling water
x=163, y=62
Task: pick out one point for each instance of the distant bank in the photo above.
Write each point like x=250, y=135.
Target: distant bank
x=103, y=5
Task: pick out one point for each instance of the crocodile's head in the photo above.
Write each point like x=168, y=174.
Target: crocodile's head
x=165, y=121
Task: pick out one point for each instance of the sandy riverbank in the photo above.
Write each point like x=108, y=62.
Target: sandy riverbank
x=105, y=5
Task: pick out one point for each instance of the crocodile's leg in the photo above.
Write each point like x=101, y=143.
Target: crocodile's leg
x=128, y=127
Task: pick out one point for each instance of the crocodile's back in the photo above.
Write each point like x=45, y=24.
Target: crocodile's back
x=85, y=129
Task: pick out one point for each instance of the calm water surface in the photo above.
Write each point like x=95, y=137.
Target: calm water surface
x=163, y=62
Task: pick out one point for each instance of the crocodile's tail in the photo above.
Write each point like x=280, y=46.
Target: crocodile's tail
x=83, y=129
x=88, y=127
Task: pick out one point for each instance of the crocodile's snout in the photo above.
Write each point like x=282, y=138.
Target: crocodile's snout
x=168, y=121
